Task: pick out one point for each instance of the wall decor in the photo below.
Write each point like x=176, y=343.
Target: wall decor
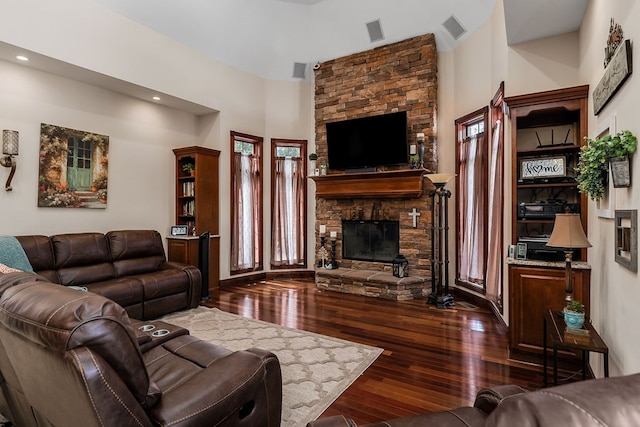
x=614, y=39
x=620, y=171
x=616, y=73
x=546, y=167
x=74, y=168
x=627, y=239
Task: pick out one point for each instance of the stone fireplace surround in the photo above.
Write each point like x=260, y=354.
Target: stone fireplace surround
x=397, y=77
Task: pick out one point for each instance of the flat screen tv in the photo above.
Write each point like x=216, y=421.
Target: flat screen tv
x=368, y=142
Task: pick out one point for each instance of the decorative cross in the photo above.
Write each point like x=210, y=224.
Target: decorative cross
x=415, y=214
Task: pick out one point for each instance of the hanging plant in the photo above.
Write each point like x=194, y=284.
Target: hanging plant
x=593, y=165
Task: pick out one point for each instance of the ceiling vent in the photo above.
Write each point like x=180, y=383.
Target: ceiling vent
x=453, y=26
x=375, y=31
x=299, y=70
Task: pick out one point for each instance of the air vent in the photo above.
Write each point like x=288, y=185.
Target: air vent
x=454, y=27
x=375, y=31
x=299, y=70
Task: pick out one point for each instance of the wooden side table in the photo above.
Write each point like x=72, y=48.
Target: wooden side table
x=555, y=328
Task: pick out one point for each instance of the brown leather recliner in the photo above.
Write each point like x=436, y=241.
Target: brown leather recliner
x=613, y=402
x=72, y=358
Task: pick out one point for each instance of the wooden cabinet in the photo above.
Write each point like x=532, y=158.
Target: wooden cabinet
x=197, y=206
x=532, y=291
x=547, y=131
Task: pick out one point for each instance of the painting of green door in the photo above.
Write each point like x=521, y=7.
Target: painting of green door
x=79, y=161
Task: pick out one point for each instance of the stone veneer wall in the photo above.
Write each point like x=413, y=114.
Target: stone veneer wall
x=396, y=77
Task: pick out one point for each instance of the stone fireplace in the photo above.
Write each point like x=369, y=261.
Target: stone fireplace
x=398, y=77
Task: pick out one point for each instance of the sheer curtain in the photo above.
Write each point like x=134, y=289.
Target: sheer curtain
x=496, y=194
x=287, y=244
x=246, y=187
x=473, y=210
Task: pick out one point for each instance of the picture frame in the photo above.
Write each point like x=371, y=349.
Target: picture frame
x=605, y=207
x=521, y=251
x=626, y=235
x=616, y=73
x=543, y=167
x=179, y=230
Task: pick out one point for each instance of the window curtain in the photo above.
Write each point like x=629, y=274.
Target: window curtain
x=246, y=187
x=287, y=244
x=473, y=209
x=494, y=232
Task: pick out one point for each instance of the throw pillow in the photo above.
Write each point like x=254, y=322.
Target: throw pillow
x=6, y=269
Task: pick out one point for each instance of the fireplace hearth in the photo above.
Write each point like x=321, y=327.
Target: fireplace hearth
x=377, y=241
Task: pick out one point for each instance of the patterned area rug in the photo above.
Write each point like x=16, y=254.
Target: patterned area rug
x=316, y=369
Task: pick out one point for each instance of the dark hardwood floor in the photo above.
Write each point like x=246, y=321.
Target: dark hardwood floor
x=432, y=360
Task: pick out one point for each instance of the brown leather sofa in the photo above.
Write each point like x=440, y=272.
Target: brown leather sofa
x=611, y=402
x=127, y=266
x=72, y=358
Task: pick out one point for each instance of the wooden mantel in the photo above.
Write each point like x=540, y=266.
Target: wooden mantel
x=407, y=183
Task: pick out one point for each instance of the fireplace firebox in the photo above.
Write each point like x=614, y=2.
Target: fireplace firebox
x=377, y=241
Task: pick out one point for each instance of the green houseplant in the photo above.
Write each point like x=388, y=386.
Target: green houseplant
x=593, y=165
x=189, y=168
x=574, y=314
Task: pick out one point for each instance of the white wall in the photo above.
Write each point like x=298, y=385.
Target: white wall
x=615, y=291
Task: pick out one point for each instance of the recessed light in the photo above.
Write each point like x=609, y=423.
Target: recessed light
x=22, y=58
x=156, y=98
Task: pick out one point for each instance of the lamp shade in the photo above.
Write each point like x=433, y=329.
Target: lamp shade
x=568, y=233
x=440, y=179
x=10, y=142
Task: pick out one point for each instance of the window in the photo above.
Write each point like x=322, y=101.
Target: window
x=246, y=203
x=288, y=203
x=471, y=212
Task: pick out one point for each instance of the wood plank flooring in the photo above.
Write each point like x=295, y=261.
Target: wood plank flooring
x=432, y=360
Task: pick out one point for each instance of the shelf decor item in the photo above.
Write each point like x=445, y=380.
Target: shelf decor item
x=568, y=234
x=593, y=166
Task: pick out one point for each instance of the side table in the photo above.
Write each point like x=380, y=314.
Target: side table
x=555, y=328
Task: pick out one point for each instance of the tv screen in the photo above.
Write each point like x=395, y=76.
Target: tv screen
x=368, y=142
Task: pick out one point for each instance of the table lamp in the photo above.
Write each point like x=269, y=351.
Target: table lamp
x=568, y=234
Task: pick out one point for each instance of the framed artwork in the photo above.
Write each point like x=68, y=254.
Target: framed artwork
x=627, y=239
x=74, y=168
x=606, y=206
x=616, y=73
x=545, y=167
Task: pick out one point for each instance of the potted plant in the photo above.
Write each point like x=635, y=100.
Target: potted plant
x=574, y=314
x=190, y=168
x=593, y=165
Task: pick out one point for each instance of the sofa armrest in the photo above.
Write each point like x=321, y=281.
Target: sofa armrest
x=240, y=388
x=488, y=399
x=195, y=279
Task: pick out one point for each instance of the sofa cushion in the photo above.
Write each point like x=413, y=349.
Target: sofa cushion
x=72, y=319
x=135, y=251
x=125, y=290
x=82, y=258
x=39, y=251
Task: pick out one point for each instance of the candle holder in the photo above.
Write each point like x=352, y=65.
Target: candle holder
x=322, y=252
x=333, y=264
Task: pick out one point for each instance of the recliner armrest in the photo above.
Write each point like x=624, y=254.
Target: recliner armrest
x=335, y=421
x=242, y=387
x=488, y=399
x=195, y=278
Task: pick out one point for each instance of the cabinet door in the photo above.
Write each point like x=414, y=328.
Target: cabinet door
x=532, y=291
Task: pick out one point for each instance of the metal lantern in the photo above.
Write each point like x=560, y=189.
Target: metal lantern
x=400, y=266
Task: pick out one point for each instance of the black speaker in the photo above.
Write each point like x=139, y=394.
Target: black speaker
x=204, y=245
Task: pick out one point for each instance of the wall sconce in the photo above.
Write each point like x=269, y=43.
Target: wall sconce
x=9, y=149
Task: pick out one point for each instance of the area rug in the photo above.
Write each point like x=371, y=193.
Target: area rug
x=316, y=369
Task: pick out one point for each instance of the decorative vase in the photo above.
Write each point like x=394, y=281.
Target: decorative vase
x=573, y=320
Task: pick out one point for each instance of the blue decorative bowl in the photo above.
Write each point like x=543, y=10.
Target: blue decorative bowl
x=573, y=320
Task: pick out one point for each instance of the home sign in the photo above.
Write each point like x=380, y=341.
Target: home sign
x=543, y=168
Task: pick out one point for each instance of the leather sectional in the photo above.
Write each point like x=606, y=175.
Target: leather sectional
x=126, y=266
x=73, y=358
